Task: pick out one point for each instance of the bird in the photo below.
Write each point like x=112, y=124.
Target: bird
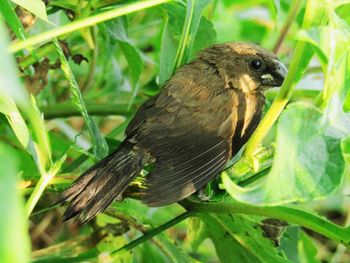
x=199, y=120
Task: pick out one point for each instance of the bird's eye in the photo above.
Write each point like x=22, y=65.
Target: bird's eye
x=256, y=64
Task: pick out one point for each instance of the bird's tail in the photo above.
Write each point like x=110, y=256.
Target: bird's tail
x=105, y=181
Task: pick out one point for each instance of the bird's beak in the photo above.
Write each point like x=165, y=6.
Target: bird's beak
x=276, y=75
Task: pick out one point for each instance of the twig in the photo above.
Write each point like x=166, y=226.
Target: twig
x=154, y=232
x=291, y=214
x=293, y=11
x=64, y=110
x=133, y=223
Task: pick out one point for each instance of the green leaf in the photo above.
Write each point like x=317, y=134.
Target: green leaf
x=195, y=232
x=347, y=102
x=307, y=249
x=12, y=20
x=14, y=240
x=227, y=247
x=172, y=250
x=11, y=88
x=289, y=243
x=15, y=24
x=37, y=7
x=308, y=162
x=238, y=239
x=85, y=22
x=110, y=243
x=168, y=49
x=14, y=117
x=176, y=46
x=345, y=146
x=117, y=31
x=100, y=146
x=313, y=36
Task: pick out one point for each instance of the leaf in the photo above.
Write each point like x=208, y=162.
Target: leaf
x=347, y=102
x=168, y=50
x=205, y=37
x=12, y=20
x=177, y=47
x=14, y=239
x=238, y=239
x=308, y=162
x=345, y=146
x=313, y=36
x=117, y=31
x=110, y=243
x=227, y=248
x=17, y=123
x=195, y=232
x=100, y=146
x=37, y=7
x=172, y=251
x=289, y=243
x=11, y=88
x=307, y=249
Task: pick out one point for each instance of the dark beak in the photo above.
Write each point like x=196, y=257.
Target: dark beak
x=275, y=75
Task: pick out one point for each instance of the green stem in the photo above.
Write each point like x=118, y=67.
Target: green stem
x=299, y=94
x=293, y=11
x=83, y=23
x=291, y=214
x=67, y=110
x=99, y=144
x=154, y=232
x=37, y=192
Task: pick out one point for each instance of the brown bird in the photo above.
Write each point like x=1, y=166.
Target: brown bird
x=201, y=118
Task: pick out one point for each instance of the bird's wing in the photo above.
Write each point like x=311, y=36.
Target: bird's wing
x=184, y=164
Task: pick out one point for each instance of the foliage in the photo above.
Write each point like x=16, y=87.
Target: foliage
x=84, y=67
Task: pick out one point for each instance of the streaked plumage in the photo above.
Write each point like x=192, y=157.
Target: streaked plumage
x=201, y=118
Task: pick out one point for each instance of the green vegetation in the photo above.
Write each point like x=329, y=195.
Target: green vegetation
x=73, y=73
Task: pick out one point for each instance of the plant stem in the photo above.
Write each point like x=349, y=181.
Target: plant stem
x=83, y=23
x=37, y=192
x=291, y=214
x=100, y=146
x=67, y=110
x=293, y=11
x=133, y=223
x=154, y=232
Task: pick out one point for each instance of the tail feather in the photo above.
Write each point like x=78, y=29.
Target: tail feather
x=96, y=189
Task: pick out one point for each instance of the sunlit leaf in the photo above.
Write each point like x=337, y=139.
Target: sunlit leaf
x=10, y=110
x=37, y=7
x=11, y=88
x=12, y=20
x=308, y=162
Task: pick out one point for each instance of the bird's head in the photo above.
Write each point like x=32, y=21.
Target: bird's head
x=244, y=66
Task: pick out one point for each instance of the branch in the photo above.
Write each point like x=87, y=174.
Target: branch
x=83, y=23
x=63, y=110
x=290, y=213
x=153, y=232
